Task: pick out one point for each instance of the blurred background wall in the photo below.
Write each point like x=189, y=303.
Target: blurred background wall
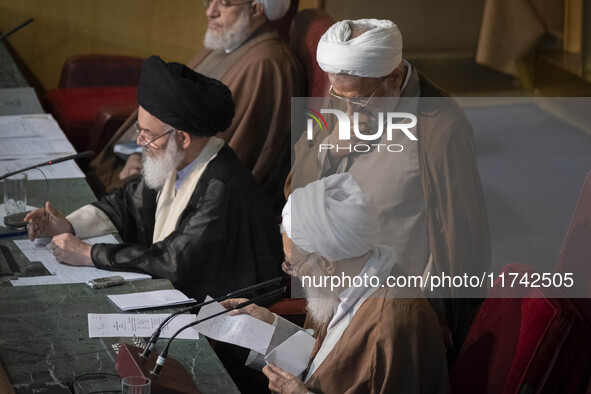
x=174, y=30
x=62, y=28
x=426, y=25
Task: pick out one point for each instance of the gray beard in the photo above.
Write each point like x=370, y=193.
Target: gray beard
x=231, y=37
x=157, y=169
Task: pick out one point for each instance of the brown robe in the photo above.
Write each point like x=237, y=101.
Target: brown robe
x=457, y=223
x=392, y=345
x=263, y=75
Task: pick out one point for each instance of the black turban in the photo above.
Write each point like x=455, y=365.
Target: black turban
x=184, y=99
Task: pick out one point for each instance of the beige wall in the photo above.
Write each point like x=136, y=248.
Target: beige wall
x=426, y=25
x=173, y=30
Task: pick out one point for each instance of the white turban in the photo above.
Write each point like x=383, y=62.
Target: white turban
x=375, y=53
x=275, y=9
x=332, y=218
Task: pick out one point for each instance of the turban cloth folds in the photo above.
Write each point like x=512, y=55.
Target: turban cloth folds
x=184, y=99
x=331, y=217
x=373, y=54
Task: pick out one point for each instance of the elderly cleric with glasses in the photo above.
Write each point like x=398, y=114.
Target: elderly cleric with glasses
x=428, y=194
x=372, y=338
x=244, y=52
x=196, y=217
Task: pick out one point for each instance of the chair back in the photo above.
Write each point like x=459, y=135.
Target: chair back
x=100, y=70
x=306, y=29
x=283, y=25
x=575, y=255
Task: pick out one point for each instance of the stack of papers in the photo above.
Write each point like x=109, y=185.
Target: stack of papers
x=61, y=273
x=27, y=140
x=150, y=299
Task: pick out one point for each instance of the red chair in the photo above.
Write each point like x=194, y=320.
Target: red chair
x=94, y=88
x=306, y=29
x=539, y=344
x=575, y=255
x=283, y=25
x=524, y=340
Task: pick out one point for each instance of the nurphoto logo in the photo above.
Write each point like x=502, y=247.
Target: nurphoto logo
x=395, y=122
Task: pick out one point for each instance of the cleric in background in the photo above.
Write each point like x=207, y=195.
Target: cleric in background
x=244, y=52
x=429, y=198
x=197, y=216
x=371, y=339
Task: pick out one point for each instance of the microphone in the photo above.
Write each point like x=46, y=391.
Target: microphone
x=9, y=33
x=50, y=162
x=164, y=353
x=156, y=335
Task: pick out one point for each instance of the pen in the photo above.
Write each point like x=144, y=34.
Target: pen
x=14, y=234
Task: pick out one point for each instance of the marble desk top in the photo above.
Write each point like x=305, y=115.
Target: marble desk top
x=44, y=343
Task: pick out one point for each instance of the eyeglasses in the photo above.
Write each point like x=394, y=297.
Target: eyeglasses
x=361, y=103
x=225, y=3
x=289, y=268
x=139, y=130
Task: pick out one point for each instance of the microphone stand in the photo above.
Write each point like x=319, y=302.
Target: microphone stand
x=156, y=335
x=50, y=162
x=164, y=353
x=175, y=379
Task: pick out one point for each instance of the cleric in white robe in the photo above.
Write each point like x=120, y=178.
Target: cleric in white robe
x=372, y=339
x=196, y=217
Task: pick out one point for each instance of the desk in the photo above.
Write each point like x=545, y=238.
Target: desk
x=44, y=341
x=44, y=331
x=65, y=194
x=10, y=75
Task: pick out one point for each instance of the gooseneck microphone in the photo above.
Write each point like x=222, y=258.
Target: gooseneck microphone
x=156, y=335
x=162, y=357
x=9, y=33
x=50, y=162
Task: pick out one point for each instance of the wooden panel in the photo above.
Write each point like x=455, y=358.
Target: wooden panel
x=573, y=26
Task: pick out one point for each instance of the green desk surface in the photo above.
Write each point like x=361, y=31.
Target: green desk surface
x=44, y=340
x=44, y=343
x=10, y=75
x=66, y=195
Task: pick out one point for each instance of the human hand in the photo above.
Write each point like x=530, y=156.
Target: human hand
x=70, y=250
x=253, y=310
x=47, y=222
x=133, y=166
x=283, y=382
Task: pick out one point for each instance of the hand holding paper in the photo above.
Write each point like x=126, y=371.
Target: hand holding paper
x=242, y=330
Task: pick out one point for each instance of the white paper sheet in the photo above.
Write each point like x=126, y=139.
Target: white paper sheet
x=65, y=170
x=61, y=273
x=28, y=148
x=139, y=325
x=30, y=126
x=242, y=330
x=149, y=299
x=293, y=354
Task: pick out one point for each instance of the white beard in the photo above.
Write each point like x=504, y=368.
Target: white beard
x=320, y=302
x=156, y=169
x=230, y=37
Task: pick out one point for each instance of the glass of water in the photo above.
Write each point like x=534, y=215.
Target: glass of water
x=135, y=385
x=15, y=194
